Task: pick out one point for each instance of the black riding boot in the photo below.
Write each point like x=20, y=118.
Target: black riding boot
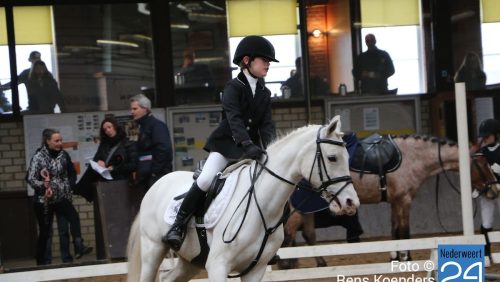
x=175, y=236
x=487, y=247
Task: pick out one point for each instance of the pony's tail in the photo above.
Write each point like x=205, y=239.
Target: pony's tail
x=134, y=251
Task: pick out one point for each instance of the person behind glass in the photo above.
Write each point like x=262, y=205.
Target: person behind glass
x=115, y=152
x=52, y=175
x=246, y=121
x=318, y=86
x=372, y=68
x=471, y=72
x=154, y=148
x=489, y=131
x=43, y=92
x=194, y=74
x=23, y=77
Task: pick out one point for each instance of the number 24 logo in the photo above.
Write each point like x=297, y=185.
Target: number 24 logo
x=466, y=276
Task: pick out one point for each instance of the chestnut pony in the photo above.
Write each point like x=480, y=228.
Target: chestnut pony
x=422, y=157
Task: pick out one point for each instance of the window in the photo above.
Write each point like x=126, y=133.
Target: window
x=409, y=77
x=199, y=51
x=491, y=52
x=400, y=35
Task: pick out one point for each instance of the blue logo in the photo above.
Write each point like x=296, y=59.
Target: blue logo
x=460, y=263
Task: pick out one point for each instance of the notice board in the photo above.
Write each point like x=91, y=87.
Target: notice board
x=382, y=114
x=190, y=127
x=80, y=133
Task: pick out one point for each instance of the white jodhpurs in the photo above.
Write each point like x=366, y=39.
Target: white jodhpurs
x=488, y=210
x=215, y=163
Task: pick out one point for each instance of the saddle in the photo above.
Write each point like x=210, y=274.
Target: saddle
x=376, y=154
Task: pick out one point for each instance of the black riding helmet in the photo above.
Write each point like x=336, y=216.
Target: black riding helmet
x=254, y=46
x=488, y=127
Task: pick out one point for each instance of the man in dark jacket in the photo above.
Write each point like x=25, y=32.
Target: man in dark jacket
x=154, y=148
x=372, y=69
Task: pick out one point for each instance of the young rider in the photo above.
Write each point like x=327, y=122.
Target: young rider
x=488, y=131
x=244, y=132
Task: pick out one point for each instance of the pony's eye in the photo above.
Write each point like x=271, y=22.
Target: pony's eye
x=332, y=158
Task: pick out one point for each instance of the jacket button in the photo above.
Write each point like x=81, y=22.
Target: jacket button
x=250, y=120
x=248, y=127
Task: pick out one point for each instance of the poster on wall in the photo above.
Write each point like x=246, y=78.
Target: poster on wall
x=190, y=127
x=80, y=133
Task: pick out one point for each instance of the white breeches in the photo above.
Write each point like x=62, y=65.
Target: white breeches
x=215, y=163
x=488, y=210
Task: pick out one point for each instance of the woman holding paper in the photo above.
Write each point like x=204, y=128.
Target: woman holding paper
x=115, y=159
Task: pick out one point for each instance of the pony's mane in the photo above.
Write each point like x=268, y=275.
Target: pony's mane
x=291, y=132
x=427, y=138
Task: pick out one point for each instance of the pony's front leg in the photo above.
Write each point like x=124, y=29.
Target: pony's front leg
x=400, y=214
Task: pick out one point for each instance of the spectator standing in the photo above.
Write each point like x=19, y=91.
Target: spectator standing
x=317, y=85
x=43, y=92
x=471, y=72
x=154, y=148
x=115, y=152
x=52, y=175
x=372, y=69
x=489, y=131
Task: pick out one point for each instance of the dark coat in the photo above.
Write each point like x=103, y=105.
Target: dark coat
x=244, y=117
x=379, y=64
x=154, y=141
x=123, y=160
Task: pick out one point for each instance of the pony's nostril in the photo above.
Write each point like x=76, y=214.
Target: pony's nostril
x=349, y=202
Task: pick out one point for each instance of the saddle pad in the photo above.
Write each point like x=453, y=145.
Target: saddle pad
x=307, y=201
x=215, y=210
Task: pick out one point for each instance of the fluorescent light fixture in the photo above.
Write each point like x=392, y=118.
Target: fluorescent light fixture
x=179, y=26
x=116, y=42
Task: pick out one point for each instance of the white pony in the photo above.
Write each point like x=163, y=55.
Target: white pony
x=243, y=241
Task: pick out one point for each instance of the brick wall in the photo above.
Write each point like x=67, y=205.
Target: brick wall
x=12, y=164
x=318, y=47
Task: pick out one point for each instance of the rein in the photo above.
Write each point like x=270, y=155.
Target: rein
x=253, y=178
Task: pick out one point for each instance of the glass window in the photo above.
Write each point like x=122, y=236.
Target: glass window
x=491, y=52
x=405, y=53
x=103, y=54
x=199, y=51
x=5, y=93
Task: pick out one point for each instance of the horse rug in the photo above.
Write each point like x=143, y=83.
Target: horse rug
x=219, y=204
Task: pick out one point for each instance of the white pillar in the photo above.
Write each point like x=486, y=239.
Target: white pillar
x=464, y=158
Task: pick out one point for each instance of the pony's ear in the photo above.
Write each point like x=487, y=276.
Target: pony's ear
x=334, y=126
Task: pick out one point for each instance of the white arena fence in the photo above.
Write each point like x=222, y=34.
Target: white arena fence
x=287, y=253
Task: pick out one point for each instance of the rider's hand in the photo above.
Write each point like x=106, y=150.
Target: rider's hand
x=252, y=151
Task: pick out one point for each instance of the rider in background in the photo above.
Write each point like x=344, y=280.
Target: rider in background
x=245, y=131
x=489, y=131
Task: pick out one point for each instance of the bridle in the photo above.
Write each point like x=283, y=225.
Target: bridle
x=325, y=182
x=486, y=184
x=320, y=160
